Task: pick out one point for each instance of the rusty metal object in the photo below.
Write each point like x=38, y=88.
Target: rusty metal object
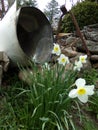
x=79, y=32
x=64, y=11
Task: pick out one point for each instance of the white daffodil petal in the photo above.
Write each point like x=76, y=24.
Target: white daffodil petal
x=83, y=98
x=56, y=49
x=83, y=58
x=76, y=68
x=63, y=59
x=58, y=53
x=90, y=86
x=73, y=93
x=78, y=65
x=68, y=60
x=89, y=91
x=80, y=82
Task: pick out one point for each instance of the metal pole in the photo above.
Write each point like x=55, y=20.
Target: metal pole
x=79, y=33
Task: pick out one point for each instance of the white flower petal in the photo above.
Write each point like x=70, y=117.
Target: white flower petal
x=62, y=55
x=56, y=49
x=63, y=59
x=80, y=82
x=78, y=65
x=73, y=93
x=83, y=58
x=89, y=89
x=90, y=86
x=58, y=53
x=83, y=98
x=76, y=68
x=90, y=92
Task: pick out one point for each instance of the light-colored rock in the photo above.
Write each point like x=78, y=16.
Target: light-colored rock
x=94, y=58
x=91, y=45
x=95, y=65
x=70, y=39
x=68, y=52
x=26, y=76
x=91, y=32
x=4, y=61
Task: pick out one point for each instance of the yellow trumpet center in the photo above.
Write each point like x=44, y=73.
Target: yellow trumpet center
x=81, y=91
x=63, y=60
x=82, y=59
x=56, y=49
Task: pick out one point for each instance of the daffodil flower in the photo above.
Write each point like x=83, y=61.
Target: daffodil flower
x=83, y=59
x=78, y=65
x=82, y=91
x=63, y=59
x=56, y=49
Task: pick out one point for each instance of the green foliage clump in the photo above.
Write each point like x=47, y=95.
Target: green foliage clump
x=43, y=103
x=86, y=13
